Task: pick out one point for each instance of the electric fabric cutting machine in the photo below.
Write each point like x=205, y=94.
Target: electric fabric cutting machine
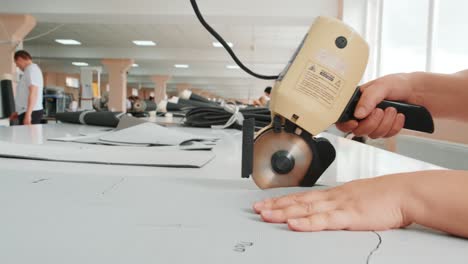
x=317, y=89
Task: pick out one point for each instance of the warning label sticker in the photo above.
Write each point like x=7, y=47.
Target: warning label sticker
x=321, y=84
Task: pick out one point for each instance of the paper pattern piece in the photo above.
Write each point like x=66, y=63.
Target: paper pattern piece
x=149, y=133
x=129, y=121
x=108, y=155
x=139, y=133
x=94, y=139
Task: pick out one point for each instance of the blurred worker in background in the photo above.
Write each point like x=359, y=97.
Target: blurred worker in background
x=264, y=100
x=29, y=91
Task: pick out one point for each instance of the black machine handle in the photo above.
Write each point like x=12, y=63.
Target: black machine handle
x=418, y=117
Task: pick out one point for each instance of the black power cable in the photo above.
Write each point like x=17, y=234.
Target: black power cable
x=226, y=46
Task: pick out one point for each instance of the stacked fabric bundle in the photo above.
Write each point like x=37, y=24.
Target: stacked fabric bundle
x=201, y=112
x=137, y=132
x=181, y=106
x=230, y=116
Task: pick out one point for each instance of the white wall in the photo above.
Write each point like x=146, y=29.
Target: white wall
x=53, y=9
x=354, y=14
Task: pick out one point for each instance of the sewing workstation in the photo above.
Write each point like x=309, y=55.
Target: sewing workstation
x=132, y=154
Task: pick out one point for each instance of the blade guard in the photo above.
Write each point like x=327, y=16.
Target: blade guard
x=323, y=150
x=248, y=137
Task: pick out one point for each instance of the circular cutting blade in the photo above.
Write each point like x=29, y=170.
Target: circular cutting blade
x=269, y=143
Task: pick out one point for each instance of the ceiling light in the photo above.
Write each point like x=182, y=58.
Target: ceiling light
x=232, y=67
x=219, y=45
x=134, y=65
x=144, y=43
x=68, y=41
x=182, y=66
x=80, y=64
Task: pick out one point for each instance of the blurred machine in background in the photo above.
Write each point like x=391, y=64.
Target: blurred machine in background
x=88, y=94
x=55, y=101
x=101, y=104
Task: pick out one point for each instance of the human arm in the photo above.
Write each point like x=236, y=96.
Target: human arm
x=444, y=95
x=14, y=116
x=32, y=98
x=436, y=199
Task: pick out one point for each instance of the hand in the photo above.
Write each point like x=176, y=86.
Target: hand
x=374, y=122
x=27, y=119
x=372, y=204
x=14, y=116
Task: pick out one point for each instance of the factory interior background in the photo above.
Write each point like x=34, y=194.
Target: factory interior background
x=151, y=142
x=170, y=52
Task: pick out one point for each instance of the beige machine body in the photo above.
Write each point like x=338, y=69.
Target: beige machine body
x=318, y=83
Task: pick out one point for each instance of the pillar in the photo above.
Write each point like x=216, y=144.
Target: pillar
x=14, y=29
x=180, y=87
x=207, y=94
x=50, y=79
x=196, y=91
x=340, y=9
x=117, y=71
x=160, y=87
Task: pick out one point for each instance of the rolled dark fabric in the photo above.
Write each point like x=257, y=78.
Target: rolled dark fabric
x=196, y=97
x=140, y=106
x=174, y=107
x=189, y=95
x=218, y=116
x=108, y=119
x=165, y=107
x=192, y=103
x=150, y=105
x=182, y=106
x=7, y=99
x=105, y=118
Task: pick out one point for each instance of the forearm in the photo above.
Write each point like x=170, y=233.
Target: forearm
x=31, y=99
x=444, y=95
x=439, y=200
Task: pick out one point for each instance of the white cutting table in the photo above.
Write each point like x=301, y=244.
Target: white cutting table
x=55, y=213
